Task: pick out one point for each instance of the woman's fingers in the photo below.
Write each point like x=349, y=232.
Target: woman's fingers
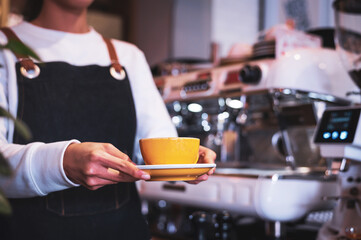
x=206, y=155
x=210, y=172
x=123, y=165
x=201, y=178
x=89, y=163
x=115, y=175
x=111, y=149
x=106, y=177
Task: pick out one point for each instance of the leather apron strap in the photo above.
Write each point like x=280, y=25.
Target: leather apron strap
x=116, y=70
x=28, y=67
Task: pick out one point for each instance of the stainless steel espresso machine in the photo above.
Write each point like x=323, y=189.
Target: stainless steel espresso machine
x=267, y=164
x=259, y=116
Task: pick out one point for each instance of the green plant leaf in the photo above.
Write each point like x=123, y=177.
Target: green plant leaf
x=5, y=168
x=20, y=48
x=20, y=127
x=5, y=208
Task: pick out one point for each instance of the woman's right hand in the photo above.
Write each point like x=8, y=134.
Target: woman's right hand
x=95, y=165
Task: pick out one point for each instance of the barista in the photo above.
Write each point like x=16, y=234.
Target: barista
x=87, y=105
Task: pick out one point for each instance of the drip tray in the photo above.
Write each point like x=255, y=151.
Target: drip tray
x=275, y=195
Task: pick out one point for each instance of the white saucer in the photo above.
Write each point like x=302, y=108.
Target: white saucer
x=176, y=172
x=177, y=166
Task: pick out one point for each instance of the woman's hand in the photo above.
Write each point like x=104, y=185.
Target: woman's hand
x=95, y=165
x=206, y=155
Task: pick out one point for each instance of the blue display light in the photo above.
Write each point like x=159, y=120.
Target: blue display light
x=343, y=135
x=326, y=135
x=334, y=135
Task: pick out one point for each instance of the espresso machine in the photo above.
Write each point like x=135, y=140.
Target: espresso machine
x=267, y=164
x=339, y=132
x=259, y=115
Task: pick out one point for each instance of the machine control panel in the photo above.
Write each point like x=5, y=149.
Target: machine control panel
x=339, y=133
x=338, y=126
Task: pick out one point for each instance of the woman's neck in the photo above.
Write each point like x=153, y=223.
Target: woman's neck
x=56, y=17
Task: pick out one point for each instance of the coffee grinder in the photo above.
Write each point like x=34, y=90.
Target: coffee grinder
x=339, y=136
x=339, y=132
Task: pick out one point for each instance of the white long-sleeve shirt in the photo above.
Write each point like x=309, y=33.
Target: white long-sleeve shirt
x=38, y=168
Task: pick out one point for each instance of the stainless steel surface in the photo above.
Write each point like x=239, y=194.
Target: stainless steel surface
x=303, y=173
x=273, y=128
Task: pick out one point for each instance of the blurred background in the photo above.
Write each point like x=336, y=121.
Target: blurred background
x=251, y=80
x=169, y=29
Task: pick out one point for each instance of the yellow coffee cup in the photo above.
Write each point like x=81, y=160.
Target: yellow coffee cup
x=172, y=150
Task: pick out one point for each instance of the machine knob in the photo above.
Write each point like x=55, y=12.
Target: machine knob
x=354, y=191
x=250, y=74
x=200, y=222
x=224, y=226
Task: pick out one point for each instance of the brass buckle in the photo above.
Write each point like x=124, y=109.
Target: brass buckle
x=117, y=75
x=30, y=73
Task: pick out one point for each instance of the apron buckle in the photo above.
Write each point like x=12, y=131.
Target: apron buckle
x=28, y=68
x=117, y=74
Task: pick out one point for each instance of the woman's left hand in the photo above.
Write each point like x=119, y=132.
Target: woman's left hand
x=206, y=155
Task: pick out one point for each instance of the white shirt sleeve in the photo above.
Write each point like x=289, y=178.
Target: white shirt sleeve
x=37, y=167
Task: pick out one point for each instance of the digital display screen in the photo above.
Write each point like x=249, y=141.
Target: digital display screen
x=338, y=126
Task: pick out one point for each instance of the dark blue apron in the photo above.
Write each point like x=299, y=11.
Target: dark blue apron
x=86, y=103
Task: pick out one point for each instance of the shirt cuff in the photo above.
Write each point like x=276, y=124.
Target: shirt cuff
x=47, y=170
x=62, y=165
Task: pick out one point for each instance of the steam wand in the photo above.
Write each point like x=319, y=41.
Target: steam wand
x=290, y=160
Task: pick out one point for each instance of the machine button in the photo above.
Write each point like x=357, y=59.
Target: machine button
x=250, y=74
x=326, y=135
x=334, y=135
x=343, y=135
x=350, y=179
